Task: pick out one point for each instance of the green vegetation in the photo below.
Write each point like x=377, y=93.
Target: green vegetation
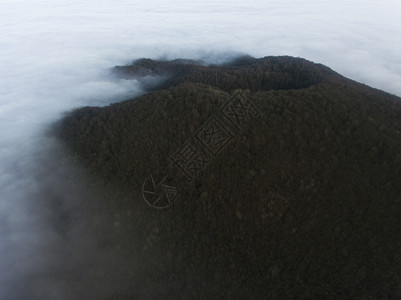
x=305, y=203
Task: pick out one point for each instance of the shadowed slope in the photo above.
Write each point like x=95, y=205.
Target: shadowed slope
x=304, y=202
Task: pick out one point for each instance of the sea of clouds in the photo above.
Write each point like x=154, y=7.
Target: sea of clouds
x=56, y=56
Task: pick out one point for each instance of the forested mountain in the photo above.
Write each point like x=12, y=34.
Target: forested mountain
x=282, y=181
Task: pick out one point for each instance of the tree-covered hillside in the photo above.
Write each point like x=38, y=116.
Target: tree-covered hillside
x=284, y=181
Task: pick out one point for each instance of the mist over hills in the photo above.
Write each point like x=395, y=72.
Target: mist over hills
x=291, y=192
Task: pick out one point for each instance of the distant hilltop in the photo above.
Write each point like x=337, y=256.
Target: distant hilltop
x=270, y=178
x=269, y=73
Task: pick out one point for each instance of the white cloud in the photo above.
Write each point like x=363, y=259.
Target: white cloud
x=55, y=55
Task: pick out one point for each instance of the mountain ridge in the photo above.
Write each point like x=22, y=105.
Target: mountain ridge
x=303, y=201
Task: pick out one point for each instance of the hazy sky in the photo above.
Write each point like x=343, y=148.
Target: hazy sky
x=55, y=56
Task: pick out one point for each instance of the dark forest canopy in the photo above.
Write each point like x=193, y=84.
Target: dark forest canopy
x=269, y=73
x=299, y=200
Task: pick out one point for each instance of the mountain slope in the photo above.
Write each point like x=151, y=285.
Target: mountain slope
x=290, y=188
